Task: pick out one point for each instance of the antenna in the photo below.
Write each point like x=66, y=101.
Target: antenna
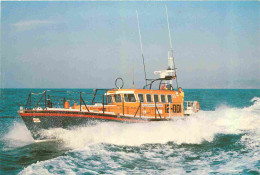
x=169, y=28
x=133, y=76
x=140, y=37
x=171, y=62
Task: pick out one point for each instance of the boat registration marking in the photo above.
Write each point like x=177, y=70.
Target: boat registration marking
x=152, y=105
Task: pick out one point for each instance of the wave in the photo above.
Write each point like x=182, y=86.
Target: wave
x=118, y=148
x=18, y=136
x=191, y=130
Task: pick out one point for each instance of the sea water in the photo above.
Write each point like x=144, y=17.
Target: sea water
x=223, y=138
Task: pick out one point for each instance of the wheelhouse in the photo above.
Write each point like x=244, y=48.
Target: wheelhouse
x=160, y=103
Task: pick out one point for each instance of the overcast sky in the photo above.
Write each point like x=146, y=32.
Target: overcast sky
x=90, y=44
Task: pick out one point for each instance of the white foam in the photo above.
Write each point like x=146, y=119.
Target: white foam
x=193, y=130
x=90, y=156
x=256, y=106
x=18, y=135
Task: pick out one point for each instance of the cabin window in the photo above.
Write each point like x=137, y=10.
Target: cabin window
x=109, y=99
x=117, y=98
x=148, y=98
x=141, y=97
x=156, y=98
x=169, y=98
x=163, y=98
x=129, y=98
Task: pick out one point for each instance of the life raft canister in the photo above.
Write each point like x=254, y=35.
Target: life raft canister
x=66, y=105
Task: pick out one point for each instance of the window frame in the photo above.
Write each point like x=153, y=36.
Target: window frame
x=139, y=98
x=158, y=98
x=128, y=98
x=112, y=101
x=169, y=95
x=115, y=98
x=164, y=98
x=146, y=98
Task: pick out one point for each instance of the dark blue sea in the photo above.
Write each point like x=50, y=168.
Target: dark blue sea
x=223, y=138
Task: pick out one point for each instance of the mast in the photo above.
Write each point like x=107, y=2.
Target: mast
x=141, y=45
x=171, y=63
x=133, y=76
x=170, y=38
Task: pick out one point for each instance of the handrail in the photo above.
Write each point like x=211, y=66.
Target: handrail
x=81, y=99
x=103, y=104
x=158, y=79
x=123, y=106
x=28, y=101
x=138, y=109
x=95, y=93
x=40, y=100
x=64, y=100
x=45, y=100
x=157, y=110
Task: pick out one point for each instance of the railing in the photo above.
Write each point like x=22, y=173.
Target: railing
x=188, y=104
x=152, y=81
x=190, y=107
x=48, y=101
x=156, y=109
x=81, y=100
x=139, y=107
x=29, y=100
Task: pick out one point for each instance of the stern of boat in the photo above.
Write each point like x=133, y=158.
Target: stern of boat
x=191, y=107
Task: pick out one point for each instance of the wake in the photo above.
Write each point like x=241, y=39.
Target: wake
x=192, y=130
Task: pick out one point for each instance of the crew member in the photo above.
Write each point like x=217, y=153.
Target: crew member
x=163, y=87
x=181, y=93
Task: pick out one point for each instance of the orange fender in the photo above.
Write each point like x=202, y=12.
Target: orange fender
x=197, y=107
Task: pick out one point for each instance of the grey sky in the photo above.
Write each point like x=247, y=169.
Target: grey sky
x=90, y=44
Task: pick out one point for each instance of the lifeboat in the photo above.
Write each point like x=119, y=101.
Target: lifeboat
x=119, y=105
x=132, y=105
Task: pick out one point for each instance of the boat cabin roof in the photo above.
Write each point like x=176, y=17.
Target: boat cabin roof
x=145, y=95
x=137, y=91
